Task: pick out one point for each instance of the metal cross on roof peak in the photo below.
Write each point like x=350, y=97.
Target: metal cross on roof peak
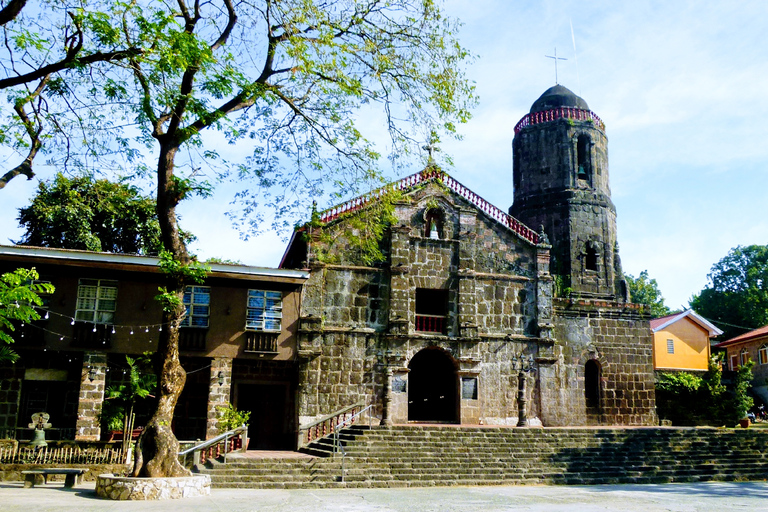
x=555, y=58
x=431, y=148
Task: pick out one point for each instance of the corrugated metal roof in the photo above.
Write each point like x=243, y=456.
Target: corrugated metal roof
x=20, y=251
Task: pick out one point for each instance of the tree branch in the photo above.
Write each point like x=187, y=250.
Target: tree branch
x=68, y=62
x=10, y=11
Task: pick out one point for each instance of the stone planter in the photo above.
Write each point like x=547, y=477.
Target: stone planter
x=129, y=488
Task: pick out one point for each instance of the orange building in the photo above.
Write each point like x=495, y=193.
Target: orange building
x=681, y=341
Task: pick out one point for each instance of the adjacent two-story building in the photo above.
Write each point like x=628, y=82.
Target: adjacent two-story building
x=750, y=346
x=238, y=344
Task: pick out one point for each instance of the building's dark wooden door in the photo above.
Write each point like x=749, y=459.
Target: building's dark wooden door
x=269, y=426
x=432, y=385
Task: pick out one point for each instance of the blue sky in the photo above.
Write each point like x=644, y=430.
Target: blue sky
x=680, y=85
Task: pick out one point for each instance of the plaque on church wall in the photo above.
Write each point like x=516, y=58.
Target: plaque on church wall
x=398, y=384
x=469, y=388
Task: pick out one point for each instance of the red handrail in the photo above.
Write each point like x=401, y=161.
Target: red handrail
x=559, y=113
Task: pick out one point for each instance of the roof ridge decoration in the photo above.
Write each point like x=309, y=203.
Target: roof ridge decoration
x=434, y=173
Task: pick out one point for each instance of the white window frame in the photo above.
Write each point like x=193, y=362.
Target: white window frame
x=670, y=346
x=734, y=361
x=743, y=357
x=264, y=311
x=197, y=301
x=762, y=354
x=96, y=301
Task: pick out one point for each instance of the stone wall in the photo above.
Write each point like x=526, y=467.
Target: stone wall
x=10, y=399
x=125, y=488
x=218, y=393
x=347, y=346
x=500, y=306
x=615, y=335
x=343, y=371
x=92, y=383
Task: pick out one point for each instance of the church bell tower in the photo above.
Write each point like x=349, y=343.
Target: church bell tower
x=560, y=176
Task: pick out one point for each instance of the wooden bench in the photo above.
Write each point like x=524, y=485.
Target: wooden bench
x=31, y=476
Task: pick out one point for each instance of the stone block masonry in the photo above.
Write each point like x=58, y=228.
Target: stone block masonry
x=617, y=337
x=218, y=392
x=92, y=383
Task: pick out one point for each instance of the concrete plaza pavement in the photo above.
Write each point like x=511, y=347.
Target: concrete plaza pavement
x=702, y=497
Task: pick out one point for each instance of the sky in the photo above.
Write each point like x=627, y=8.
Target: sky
x=681, y=87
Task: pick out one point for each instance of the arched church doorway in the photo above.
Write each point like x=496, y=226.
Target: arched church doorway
x=432, y=387
x=592, y=394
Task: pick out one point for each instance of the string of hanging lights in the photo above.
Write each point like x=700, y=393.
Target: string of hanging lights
x=132, y=328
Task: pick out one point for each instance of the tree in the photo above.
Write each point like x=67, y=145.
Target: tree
x=140, y=384
x=287, y=77
x=19, y=295
x=51, y=52
x=689, y=399
x=643, y=290
x=88, y=214
x=736, y=298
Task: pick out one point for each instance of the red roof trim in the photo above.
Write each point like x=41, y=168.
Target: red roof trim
x=428, y=174
x=748, y=336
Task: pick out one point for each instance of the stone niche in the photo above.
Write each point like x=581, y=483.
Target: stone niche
x=129, y=488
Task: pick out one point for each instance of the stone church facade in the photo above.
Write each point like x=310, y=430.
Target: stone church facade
x=474, y=315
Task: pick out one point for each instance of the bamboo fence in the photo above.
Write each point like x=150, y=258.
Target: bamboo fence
x=63, y=455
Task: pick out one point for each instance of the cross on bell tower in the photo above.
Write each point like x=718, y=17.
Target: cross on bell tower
x=555, y=58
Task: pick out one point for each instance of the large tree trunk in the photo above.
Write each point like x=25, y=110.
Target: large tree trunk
x=157, y=448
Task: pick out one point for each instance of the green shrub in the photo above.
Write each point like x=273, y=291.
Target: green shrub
x=231, y=418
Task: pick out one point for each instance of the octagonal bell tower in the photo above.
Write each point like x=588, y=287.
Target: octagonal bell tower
x=560, y=176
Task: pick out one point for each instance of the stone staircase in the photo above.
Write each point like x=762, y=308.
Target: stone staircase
x=420, y=456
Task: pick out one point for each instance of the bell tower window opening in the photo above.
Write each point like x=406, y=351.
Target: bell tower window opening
x=582, y=158
x=431, y=310
x=590, y=257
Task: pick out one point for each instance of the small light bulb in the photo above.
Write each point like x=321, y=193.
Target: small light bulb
x=113, y=329
x=47, y=315
x=147, y=329
x=72, y=322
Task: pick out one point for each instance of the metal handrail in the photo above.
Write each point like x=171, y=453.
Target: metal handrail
x=337, y=443
x=323, y=421
x=195, y=450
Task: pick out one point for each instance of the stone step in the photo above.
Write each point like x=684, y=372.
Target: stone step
x=427, y=456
